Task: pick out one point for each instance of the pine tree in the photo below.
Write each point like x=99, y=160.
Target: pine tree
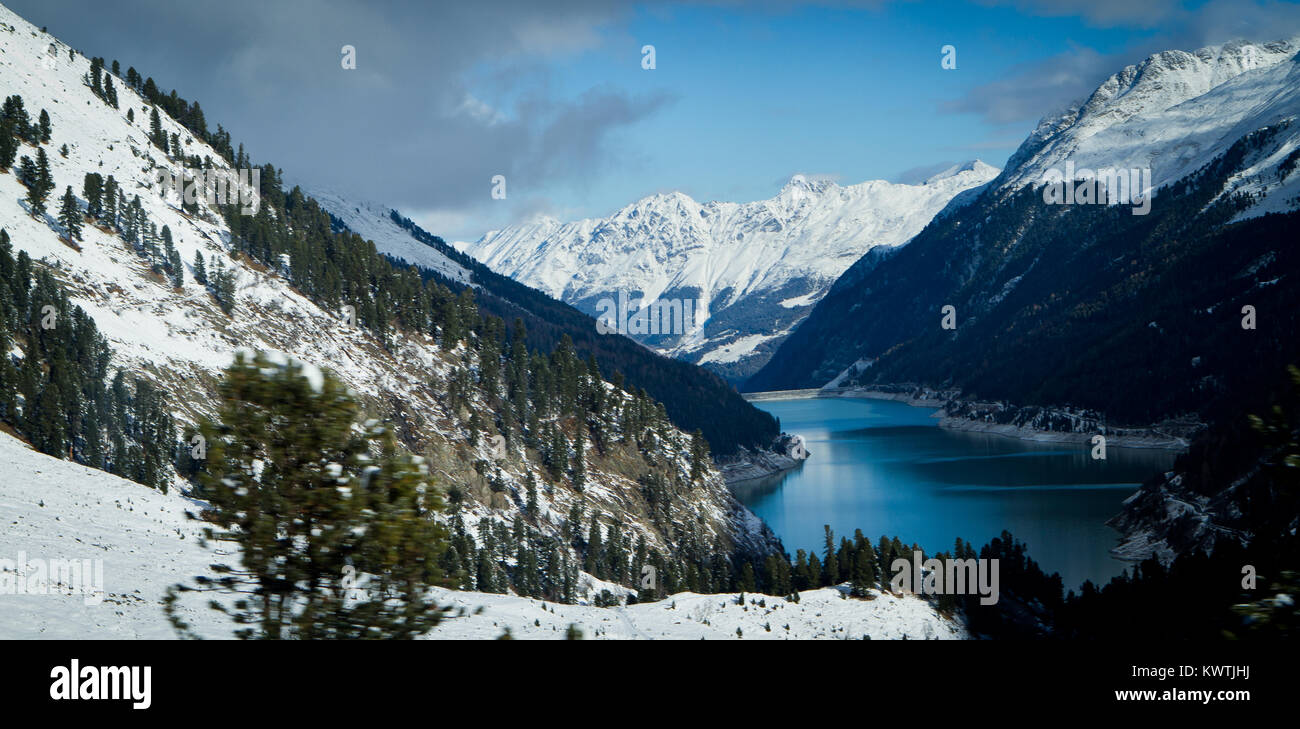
x=70, y=215
x=864, y=570
x=579, y=462
x=26, y=172
x=44, y=128
x=8, y=144
x=223, y=289
x=110, y=202
x=156, y=133
x=168, y=248
x=45, y=422
x=200, y=271
x=830, y=565
x=110, y=93
x=748, y=583
x=558, y=456
x=699, y=455
x=16, y=115
x=97, y=76
x=176, y=268
x=594, y=564
x=92, y=188
x=333, y=543
x=41, y=184
x=531, y=491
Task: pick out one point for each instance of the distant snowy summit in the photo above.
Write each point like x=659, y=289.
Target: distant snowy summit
x=1170, y=115
x=749, y=272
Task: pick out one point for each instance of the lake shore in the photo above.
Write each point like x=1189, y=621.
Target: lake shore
x=786, y=453
x=955, y=413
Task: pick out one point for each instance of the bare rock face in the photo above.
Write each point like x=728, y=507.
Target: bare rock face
x=787, y=452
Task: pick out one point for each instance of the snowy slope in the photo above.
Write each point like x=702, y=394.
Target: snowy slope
x=756, y=268
x=53, y=509
x=373, y=222
x=57, y=510
x=180, y=338
x=823, y=614
x=1173, y=113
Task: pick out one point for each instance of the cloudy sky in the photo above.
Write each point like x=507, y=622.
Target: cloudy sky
x=553, y=96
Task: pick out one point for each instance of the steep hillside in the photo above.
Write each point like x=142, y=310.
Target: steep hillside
x=693, y=397
x=279, y=281
x=375, y=223
x=748, y=272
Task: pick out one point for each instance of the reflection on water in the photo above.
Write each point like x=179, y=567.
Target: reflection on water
x=886, y=468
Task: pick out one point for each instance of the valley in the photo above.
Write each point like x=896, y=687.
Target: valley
x=261, y=406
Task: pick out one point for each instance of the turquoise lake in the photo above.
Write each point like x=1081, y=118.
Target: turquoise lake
x=887, y=468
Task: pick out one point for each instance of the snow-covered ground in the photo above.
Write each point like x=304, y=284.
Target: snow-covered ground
x=822, y=614
x=56, y=510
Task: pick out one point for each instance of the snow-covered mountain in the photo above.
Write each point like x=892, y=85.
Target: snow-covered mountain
x=751, y=271
x=375, y=223
x=1173, y=113
x=180, y=339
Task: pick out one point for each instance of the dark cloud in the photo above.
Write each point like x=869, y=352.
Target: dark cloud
x=406, y=126
x=573, y=140
x=446, y=95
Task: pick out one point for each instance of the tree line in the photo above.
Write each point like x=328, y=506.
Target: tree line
x=60, y=393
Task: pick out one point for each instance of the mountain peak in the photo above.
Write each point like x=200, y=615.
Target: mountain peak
x=1170, y=114
x=806, y=183
x=976, y=165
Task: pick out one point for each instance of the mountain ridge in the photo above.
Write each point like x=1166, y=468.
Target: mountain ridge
x=754, y=269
